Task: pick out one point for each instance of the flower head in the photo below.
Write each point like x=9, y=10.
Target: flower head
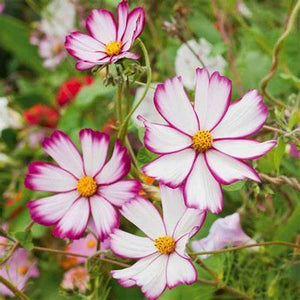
x=204, y=145
x=186, y=61
x=71, y=88
x=163, y=261
x=108, y=40
x=43, y=115
x=18, y=270
x=223, y=232
x=76, y=278
x=85, y=186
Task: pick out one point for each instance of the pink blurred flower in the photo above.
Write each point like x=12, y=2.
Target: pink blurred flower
x=108, y=40
x=18, y=270
x=223, y=232
x=76, y=278
x=87, y=246
x=293, y=151
x=2, y=6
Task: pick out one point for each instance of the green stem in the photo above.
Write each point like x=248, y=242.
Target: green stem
x=123, y=128
x=14, y=289
x=119, y=103
x=287, y=244
x=127, y=91
x=276, y=53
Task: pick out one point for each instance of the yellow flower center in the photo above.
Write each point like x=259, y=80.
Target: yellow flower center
x=91, y=244
x=87, y=186
x=22, y=270
x=202, y=140
x=113, y=48
x=165, y=244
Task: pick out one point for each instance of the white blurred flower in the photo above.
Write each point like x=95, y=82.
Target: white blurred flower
x=8, y=117
x=243, y=9
x=223, y=232
x=58, y=18
x=147, y=108
x=186, y=62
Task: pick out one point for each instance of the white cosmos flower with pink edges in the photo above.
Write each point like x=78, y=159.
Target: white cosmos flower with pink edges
x=108, y=40
x=162, y=260
x=204, y=145
x=86, y=187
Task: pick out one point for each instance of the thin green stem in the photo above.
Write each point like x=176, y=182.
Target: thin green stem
x=119, y=103
x=123, y=128
x=287, y=244
x=13, y=288
x=276, y=53
x=127, y=91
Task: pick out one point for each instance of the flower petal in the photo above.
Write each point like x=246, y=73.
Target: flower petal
x=143, y=214
x=173, y=104
x=162, y=139
x=173, y=206
x=127, y=245
x=102, y=26
x=149, y=273
x=243, y=118
x=180, y=271
x=116, y=168
x=134, y=27
x=201, y=189
x=126, y=54
x=64, y=152
x=104, y=215
x=212, y=98
x=120, y=192
x=227, y=169
x=49, y=178
x=171, y=169
x=84, y=47
x=49, y=210
x=94, y=149
x=189, y=223
x=244, y=149
x=73, y=224
x=83, y=65
x=123, y=12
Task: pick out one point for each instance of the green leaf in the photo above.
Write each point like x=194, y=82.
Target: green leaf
x=14, y=38
x=25, y=239
x=144, y=157
x=234, y=187
x=9, y=137
x=87, y=94
x=278, y=153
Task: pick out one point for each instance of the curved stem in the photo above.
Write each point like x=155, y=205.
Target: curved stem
x=123, y=128
x=287, y=244
x=13, y=288
x=276, y=53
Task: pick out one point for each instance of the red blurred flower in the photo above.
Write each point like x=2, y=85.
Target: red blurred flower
x=110, y=125
x=71, y=88
x=43, y=115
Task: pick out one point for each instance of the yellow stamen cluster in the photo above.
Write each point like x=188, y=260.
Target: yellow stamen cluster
x=22, y=270
x=165, y=244
x=91, y=244
x=87, y=186
x=113, y=48
x=202, y=140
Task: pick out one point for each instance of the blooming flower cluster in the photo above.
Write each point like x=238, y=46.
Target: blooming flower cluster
x=201, y=146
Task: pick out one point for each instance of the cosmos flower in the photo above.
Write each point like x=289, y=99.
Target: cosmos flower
x=223, y=232
x=162, y=260
x=42, y=115
x=85, y=186
x=186, y=62
x=18, y=270
x=108, y=41
x=58, y=18
x=76, y=278
x=294, y=152
x=204, y=145
x=69, y=89
x=86, y=246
